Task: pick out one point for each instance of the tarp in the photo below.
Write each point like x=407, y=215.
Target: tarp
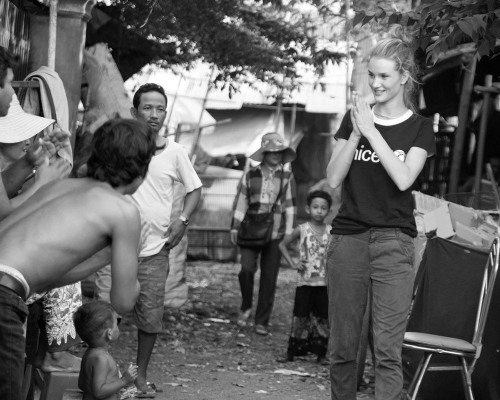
x=241, y=134
x=130, y=50
x=448, y=285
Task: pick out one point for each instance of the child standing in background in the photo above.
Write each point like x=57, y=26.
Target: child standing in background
x=309, y=332
x=96, y=324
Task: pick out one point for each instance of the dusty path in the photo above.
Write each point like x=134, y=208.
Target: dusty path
x=202, y=354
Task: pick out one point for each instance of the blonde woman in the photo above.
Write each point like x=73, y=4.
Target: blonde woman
x=380, y=152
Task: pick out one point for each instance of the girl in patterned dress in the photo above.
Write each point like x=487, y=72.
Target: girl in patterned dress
x=309, y=331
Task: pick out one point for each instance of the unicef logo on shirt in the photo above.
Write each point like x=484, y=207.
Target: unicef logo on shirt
x=363, y=154
x=400, y=154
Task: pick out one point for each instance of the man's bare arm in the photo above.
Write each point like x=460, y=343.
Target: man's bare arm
x=124, y=261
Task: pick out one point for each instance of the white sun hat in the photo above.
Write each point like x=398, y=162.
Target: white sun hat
x=18, y=125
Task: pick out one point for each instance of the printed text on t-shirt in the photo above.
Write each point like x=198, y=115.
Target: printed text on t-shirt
x=362, y=154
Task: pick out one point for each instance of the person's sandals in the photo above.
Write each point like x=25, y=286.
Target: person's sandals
x=323, y=360
x=150, y=393
x=243, y=317
x=261, y=330
x=287, y=357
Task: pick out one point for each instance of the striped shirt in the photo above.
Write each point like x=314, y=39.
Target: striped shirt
x=257, y=195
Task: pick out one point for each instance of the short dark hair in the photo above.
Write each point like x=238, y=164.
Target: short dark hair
x=321, y=194
x=92, y=319
x=7, y=60
x=120, y=151
x=148, y=87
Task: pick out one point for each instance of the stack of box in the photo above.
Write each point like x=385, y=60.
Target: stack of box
x=452, y=221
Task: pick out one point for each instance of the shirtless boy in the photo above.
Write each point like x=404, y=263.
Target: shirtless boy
x=47, y=241
x=99, y=378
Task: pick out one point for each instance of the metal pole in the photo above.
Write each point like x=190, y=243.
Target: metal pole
x=51, y=57
x=488, y=79
x=463, y=117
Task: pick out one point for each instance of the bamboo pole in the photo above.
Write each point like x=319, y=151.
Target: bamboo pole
x=173, y=101
x=278, y=115
x=51, y=57
x=203, y=107
x=463, y=117
x=292, y=123
x=179, y=132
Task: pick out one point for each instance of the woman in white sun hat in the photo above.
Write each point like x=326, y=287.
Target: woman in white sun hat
x=268, y=189
x=22, y=155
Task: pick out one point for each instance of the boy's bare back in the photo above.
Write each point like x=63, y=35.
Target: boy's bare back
x=62, y=225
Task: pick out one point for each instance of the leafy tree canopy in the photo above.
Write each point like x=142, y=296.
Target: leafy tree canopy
x=266, y=39
x=442, y=25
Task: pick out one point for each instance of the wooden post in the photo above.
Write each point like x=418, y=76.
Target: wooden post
x=463, y=117
x=491, y=177
x=488, y=80
x=51, y=60
x=348, y=54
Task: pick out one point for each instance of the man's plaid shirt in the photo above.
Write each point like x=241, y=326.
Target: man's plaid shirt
x=249, y=198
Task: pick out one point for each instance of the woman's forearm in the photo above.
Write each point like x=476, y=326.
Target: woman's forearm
x=341, y=160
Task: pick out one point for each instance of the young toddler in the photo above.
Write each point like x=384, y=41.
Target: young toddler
x=96, y=324
x=309, y=332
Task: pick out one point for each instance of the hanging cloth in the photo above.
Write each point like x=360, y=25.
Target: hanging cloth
x=50, y=102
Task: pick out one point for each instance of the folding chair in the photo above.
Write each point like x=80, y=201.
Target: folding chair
x=467, y=353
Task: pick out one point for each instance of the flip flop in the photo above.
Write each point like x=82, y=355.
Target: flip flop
x=149, y=394
x=152, y=386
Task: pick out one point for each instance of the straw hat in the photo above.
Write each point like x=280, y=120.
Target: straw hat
x=18, y=125
x=273, y=142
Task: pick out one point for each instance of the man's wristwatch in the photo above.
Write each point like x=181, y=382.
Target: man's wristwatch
x=184, y=220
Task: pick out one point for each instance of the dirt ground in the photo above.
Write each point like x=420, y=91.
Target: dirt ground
x=202, y=353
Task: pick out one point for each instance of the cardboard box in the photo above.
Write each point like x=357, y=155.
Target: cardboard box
x=465, y=215
x=468, y=235
x=439, y=220
x=424, y=203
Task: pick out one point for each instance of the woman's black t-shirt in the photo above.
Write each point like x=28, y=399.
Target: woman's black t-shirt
x=370, y=197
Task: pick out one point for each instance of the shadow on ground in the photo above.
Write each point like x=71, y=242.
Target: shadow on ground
x=202, y=354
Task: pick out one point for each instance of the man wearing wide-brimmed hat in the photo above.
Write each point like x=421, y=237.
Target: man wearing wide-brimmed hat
x=267, y=186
